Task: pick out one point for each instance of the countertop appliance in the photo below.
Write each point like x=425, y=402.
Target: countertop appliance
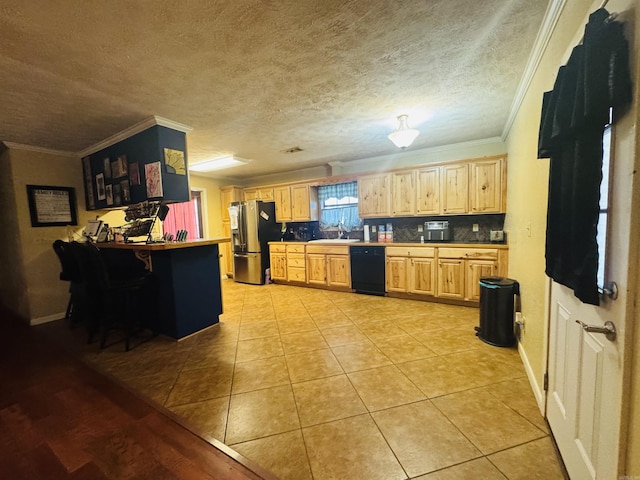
x=367, y=269
x=253, y=225
x=437, y=231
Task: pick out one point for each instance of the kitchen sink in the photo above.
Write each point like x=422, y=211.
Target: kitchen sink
x=335, y=240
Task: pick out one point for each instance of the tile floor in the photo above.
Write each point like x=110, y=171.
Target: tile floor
x=315, y=384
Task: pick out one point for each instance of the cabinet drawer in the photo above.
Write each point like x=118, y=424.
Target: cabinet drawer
x=429, y=252
x=483, y=253
x=328, y=250
x=277, y=248
x=296, y=274
x=296, y=260
x=295, y=248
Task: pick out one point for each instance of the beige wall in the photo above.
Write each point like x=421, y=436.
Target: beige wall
x=33, y=289
x=526, y=215
x=13, y=284
x=527, y=182
x=35, y=267
x=401, y=159
x=211, y=188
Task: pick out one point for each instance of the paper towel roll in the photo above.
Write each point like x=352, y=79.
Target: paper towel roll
x=366, y=233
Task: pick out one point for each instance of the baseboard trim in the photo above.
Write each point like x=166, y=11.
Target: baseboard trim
x=49, y=318
x=538, y=393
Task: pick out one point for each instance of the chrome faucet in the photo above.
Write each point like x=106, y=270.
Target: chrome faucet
x=340, y=229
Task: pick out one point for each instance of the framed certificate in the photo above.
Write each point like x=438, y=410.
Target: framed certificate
x=52, y=206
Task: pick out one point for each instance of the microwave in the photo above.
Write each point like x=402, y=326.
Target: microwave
x=437, y=231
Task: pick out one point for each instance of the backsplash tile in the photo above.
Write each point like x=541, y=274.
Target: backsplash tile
x=405, y=229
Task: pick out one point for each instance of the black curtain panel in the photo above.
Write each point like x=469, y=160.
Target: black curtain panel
x=574, y=115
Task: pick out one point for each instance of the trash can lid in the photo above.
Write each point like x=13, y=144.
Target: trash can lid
x=497, y=282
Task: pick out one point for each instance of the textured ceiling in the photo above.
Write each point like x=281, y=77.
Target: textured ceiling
x=254, y=78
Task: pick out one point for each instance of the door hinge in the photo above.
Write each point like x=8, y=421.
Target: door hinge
x=545, y=381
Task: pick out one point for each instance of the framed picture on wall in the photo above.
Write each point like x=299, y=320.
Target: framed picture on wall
x=124, y=188
x=117, y=195
x=109, y=193
x=52, y=206
x=134, y=173
x=100, y=186
x=106, y=166
x=119, y=167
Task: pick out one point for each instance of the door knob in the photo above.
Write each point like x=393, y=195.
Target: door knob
x=609, y=329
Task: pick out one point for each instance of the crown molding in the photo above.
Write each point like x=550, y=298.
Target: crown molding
x=133, y=130
x=31, y=148
x=549, y=22
x=422, y=151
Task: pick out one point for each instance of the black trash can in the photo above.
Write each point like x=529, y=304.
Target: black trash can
x=497, y=311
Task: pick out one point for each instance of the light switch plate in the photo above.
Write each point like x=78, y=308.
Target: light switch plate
x=476, y=227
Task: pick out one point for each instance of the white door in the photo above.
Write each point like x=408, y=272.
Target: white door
x=585, y=396
x=585, y=386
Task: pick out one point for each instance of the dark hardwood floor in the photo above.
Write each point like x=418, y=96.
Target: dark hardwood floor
x=59, y=419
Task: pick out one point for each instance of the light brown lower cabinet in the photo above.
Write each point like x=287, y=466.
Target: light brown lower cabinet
x=225, y=250
x=328, y=265
x=439, y=272
x=411, y=270
x=278, y=260
x=296, y=263
x=460, y=270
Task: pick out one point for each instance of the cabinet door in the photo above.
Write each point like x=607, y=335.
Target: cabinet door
x=300, y=206
x=265, y=194
x=228, y=195
x=317, y=268
x=338, y=271
x=403, y=193
x=451, y=278
x=250, y=194
x=455, y=185
x=278, y=266
x=374, y=196
x=396, y=274
x=477, y=269
x=428, y=191
x=283, y=204
x=422, y=276
x=486, y=186
x=225, y=250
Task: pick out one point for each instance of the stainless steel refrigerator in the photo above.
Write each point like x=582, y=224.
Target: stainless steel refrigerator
x=253, y=224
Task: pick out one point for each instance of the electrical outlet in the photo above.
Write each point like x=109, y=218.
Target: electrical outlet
x=476, y=227
x=373, y=229
x=420, y=228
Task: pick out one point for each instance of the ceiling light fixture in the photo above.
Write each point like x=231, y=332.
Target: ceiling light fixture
x=218, y=164
x=403, y=136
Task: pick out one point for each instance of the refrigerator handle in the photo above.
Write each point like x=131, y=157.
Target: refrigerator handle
x=241, y=225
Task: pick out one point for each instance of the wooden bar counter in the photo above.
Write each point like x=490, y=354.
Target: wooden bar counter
x=188, y=279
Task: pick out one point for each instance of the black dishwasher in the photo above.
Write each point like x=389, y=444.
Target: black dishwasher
x=367, y=269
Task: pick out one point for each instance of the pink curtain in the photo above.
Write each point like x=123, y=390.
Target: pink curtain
x=182, y=216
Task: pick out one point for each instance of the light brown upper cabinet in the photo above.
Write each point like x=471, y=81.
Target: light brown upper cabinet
x=486, y=186
x=227, y=195
x=261, y=193
x=455, y=188
x=283, y=203
x=296, y=203
x=428, y=191
x=403, y=193
x=304, y=203
x=374, y=195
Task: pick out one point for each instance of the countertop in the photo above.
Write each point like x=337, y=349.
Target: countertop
x=163, y=245
x=401, y=244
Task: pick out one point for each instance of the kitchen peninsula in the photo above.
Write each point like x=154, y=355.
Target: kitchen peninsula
x=188, y=280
